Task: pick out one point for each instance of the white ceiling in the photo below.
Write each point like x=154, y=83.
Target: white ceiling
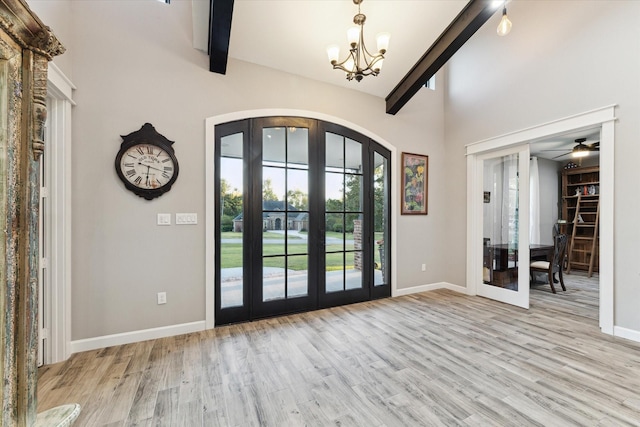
x=293, y=35
x=559, y=147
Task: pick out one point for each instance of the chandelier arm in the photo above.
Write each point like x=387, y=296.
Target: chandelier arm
x=340, y=65
x=369, y=59
x=365, y=51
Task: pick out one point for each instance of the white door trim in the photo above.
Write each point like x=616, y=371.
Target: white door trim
x=605, y=119
x=58, y=168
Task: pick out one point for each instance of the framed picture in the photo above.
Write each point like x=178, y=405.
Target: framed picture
x=415, y=189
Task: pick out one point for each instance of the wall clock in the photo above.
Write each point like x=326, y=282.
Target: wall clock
x=146, y=163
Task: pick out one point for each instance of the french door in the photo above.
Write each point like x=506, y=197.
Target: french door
x=504, y=275
x=302, y=220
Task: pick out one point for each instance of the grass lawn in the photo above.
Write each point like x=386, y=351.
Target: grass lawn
x=231, y=256
x=265, y=235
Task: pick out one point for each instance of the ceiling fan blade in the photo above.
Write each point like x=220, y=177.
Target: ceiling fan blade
x=561, y=155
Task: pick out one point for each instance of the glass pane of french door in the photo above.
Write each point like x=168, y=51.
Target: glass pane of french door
x=500, y=224
x=343, y=214
x=285, y=213
x=505, y=232
x=232, y=227
x=380, y=219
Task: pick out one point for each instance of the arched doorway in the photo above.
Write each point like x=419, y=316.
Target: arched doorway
x=314, y=199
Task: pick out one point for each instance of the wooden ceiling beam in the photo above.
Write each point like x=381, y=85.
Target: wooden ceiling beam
x=219, y=35
x=468, y=21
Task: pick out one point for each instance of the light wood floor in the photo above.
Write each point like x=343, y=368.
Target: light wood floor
x=435, y=358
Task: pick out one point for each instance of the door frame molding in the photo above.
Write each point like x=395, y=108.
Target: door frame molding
x=210, y=202
x=604, y=118
x=58, y=155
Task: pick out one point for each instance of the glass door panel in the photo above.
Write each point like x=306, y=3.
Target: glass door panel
x=380, y=218
x=285, y=213
x=505, y=242
x=231, y=202
x=343, y=214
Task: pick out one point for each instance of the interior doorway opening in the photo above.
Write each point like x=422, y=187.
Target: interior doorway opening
x=568, y=186
x=600, y=121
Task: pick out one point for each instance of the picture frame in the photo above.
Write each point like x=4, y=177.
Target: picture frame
x=414, y=184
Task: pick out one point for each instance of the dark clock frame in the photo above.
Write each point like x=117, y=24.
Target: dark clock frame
x=147, y=134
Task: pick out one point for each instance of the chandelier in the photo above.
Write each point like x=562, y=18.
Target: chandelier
x=359, y=62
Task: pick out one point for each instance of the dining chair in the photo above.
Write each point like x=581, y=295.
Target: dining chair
x=555, y=265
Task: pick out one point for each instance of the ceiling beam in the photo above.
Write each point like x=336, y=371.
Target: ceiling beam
x=468, y=21
x=219, y=34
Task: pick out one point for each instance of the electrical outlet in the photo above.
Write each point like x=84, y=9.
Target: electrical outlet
x=186, y=218
x=424, y=267
x=162, y=298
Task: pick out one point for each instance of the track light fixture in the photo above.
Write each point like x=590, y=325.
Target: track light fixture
x=504, y=27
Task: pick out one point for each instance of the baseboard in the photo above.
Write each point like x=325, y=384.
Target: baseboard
x=430, y=287
x=135, y=336
x=629, y=334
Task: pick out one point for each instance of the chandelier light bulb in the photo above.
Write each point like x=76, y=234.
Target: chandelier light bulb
x=353, y=35
x=333, y=52
x=504, y=27
x=382, y=40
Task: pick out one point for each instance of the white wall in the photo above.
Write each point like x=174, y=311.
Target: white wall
x=548, y=172
x=133, y=63
x=561, y=58
x=57, y=15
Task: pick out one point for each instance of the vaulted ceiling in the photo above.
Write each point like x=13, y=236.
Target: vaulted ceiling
x=292, y=36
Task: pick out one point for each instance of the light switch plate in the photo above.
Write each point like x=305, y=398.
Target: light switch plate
x=186, y=218
x=164, y=219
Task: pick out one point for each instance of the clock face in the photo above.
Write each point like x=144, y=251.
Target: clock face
x=147, y=166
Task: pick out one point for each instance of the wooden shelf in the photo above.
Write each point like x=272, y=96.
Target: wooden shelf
x=577, y=184
x=571, y=179
x=583, y=196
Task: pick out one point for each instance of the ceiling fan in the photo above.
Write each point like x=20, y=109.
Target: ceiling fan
x=580, y=149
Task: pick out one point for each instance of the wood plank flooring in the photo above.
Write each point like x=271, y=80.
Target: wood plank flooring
x=431, y=359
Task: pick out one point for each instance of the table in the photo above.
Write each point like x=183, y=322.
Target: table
x=536, y=252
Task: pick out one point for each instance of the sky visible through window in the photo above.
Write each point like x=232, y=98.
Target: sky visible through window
x=233, y=175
